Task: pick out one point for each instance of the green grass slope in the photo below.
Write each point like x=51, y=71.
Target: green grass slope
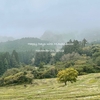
x=87, y=87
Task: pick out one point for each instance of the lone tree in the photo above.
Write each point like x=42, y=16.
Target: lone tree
x=67, y=75
x=84, y=42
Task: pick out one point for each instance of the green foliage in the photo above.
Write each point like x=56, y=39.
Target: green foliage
x=98, y=61
x=67, y=75
x=85, y=69
x=60, y=65
x=50, y=73
x=69, y=63
x=26, y=57
x=8, y=61
x=95, y=48
x=11, y=71
x=15, y=54
x=85, y=65
x=70, y=56
x=58, y=56
x=96, y=55
x=45, y=72
x=86, y=50
x=42, y=57
x=75, y=47
x=41, y=64
x=88, y=69
x=18, y=78
x=84, y=42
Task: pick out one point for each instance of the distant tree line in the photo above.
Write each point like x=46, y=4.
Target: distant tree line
x=8, y=61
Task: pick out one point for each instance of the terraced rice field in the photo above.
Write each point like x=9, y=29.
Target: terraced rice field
x=87, y=87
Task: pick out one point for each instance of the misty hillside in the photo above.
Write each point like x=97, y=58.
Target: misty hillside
x=5, y=38
x=89, y=35
x=22, y=45
x=57, y=37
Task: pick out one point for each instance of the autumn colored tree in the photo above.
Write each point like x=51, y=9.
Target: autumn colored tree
x=67, y=75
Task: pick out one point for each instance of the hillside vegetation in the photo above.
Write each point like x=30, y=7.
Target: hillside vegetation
x=22, y=45
x=87, y=87
x=32, y=75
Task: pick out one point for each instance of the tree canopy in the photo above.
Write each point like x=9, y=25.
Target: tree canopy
x=69, y=74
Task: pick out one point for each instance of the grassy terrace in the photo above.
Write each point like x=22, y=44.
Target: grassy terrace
x=86, y=88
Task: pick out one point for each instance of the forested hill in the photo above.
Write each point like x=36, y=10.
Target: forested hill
x=90, y=35
x=21, y=45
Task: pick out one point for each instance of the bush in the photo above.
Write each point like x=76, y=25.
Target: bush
x=18, y=78
x=50, y=73
x=11, y=71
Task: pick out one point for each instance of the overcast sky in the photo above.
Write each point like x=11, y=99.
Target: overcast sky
x=25, y=18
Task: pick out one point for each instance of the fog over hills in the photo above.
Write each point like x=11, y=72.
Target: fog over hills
x=89, y=34
x=58, y=37
x=6, y=38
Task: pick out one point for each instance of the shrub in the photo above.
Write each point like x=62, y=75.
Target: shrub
x=18, y=78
